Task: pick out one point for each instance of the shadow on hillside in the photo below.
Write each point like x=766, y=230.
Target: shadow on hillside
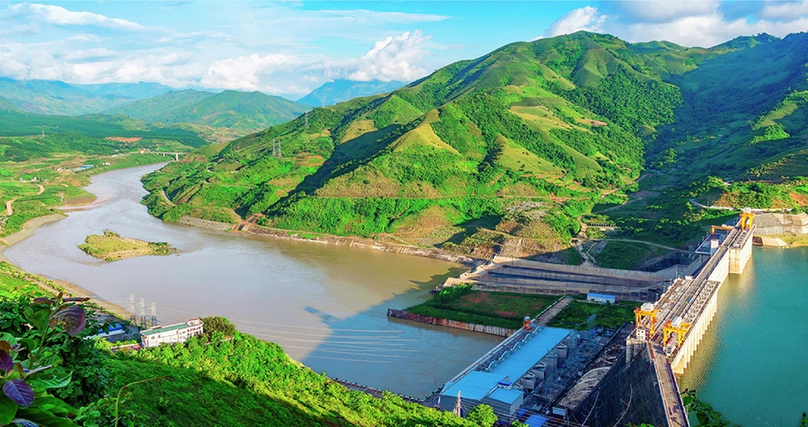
x=346, y=158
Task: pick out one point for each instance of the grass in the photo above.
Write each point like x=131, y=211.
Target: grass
x=110, y=246
x=626, y=255
x=486, y=308
x=583, y=315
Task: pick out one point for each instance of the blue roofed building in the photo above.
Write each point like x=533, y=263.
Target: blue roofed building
x=502, y=377
x=535, y=421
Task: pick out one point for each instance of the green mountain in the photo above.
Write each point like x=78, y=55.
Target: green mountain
x=140, y=90
x=506, y=152
x=6, y=105
x=230, y=109
x=21, y=127
x=60, y=98
x=340, y=90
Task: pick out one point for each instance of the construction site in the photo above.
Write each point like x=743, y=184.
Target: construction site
x=556, y=376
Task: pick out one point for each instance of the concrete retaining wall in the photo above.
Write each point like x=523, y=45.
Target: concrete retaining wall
x=627, y=394
x=695, y=334
x=582, y=269
x=492, y=330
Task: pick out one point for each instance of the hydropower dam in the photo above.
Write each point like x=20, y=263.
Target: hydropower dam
x=671, y=329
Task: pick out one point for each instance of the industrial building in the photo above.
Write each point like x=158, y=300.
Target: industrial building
x=503, y=377
x=171, y=334
x=601, y=298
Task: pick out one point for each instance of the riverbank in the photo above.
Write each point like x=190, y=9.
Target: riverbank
x=28, y=229
x=792, y=240
x=350, y=241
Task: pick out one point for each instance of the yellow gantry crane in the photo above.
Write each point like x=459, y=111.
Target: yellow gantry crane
x=647, y=310
x=719, y=227
x=747, y=219
x=676, y=327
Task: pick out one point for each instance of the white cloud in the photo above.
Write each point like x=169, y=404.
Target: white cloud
x=784, y=9
x=382, y=17
x=246, y=72
x=394, y=58
x=60, y=16
x=586, y=18
x=664, y=10
x=689, y=23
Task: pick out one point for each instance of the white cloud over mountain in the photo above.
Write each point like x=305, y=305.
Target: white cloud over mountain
x=394, y=58
x=689, y=23
x=288, y=48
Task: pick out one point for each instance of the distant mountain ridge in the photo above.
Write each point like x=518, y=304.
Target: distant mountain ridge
x=338, y=91
x=60, y=98
x=231, y=109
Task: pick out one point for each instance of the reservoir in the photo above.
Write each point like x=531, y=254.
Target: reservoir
x=751, y=364
x=325, y=305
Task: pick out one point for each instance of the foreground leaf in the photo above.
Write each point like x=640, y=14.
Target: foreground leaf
x=19, y=392
x=7, y=410
x=73, y=319
x=6, y=363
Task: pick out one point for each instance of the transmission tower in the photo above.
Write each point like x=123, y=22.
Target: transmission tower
x=153, y=312
x=307, y=119
x=142, y=307
x=131, y=302
x=276, y=149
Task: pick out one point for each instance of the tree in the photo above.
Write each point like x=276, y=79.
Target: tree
x=483, y=415
x=218, y=324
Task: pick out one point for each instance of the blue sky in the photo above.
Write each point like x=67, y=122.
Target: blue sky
x=291, y=47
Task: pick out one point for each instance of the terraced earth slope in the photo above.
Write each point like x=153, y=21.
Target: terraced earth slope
x=505, y=153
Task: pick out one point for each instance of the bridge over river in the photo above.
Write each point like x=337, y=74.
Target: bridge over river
x=672, y=328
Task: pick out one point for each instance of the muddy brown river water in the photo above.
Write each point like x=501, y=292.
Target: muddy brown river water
x=325, y=305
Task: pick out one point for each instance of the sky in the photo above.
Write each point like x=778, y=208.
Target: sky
x=289, y=48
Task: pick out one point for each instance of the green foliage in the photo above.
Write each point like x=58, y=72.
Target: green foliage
x=218, y=325
x=502, y=309
x=630, y=99
x=244, y=381
x=482, y=415
x=34, y=340
x=493, y=119
x=111, y=246
x=230, y=109
x=705, y=414
x=91, y=126
x=582, y=315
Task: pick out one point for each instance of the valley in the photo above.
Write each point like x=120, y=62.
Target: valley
x=532, y=184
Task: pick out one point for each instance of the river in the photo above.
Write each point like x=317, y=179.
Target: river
x=325, y=305
x=752, y=364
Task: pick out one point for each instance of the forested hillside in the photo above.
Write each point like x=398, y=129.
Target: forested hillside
x=230, y=109
x=504, y=153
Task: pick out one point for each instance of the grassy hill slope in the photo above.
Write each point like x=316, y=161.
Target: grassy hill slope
x=511, y=146
x=506, y=152
x=231, y=109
